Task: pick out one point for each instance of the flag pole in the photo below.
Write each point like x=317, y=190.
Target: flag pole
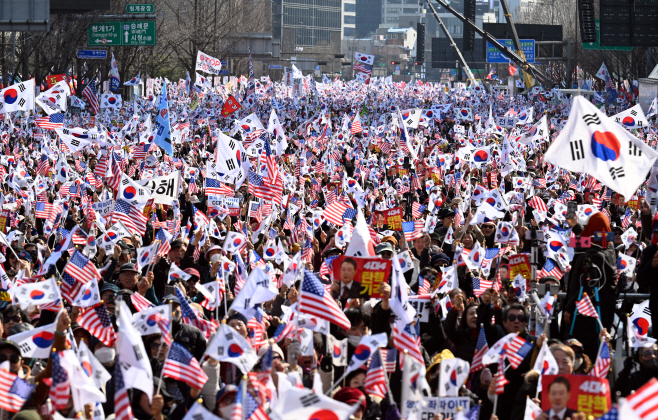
x=167, y=356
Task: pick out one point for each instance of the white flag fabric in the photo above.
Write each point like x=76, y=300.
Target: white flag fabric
x=89, y=295
x=53, y=100
x=77, y=138
x=136, y=368
x=228, y=157
x=545, y=364
x=294, y=404
x=364, y=58
x=198, y=411
x=258, y=288
x=37, y=342
x=176, y=273
x=653, y=108
x=361, y=244
x=538, y=132
x=532, y=410
x=367, y=346
x=133, y=193
x=111, y=101
x=631, y=118
x=233, y=242
x=592, y=143
x=338, y=350
x=603, y=72
x=494, y=353
x=206, y=63
x=39, y=293
x=134, y=81
x=413, y=385
x=146, y=321
x=18, y=97
x=91, y=366
x=454, y=373
x=229, y=346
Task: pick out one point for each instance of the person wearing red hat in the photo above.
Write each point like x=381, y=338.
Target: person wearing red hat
x=351, y=396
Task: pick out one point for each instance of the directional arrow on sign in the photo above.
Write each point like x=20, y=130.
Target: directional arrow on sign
x=126, y=34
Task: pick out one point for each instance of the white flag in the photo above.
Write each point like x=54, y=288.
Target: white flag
x=18, y=97
x=54, y=99
x=39, y=293
x=206, y=63
x=532, y=410
x=364, y=58
x=592, y=143
x=631, y=118
x=37, y=342
x=361, y=244
x=111, y=101
x=545, y=364
x=454, y=373
x=229, y=346
x=603, y=72
x=338, y=350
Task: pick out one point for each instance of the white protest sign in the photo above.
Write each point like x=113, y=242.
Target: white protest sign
x=104, y=208
x=164, y=189
x=447, y=406
x=206, y=63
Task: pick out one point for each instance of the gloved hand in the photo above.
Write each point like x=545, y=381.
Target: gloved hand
x=629, y=363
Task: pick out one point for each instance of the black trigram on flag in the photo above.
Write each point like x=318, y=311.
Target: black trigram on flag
x=577, y=150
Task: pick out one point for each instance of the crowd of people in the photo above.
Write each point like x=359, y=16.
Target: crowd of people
x=330, y=250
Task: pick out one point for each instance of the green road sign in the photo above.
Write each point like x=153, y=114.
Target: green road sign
x=104, y=33
x=141, y=32
x=597, y=45
x=127, y=33
x=140, y=8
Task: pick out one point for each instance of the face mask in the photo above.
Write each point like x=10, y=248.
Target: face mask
x=215, y=258
x=226, y=412
x=354, y=340
x=651, y=364
x=105, y=355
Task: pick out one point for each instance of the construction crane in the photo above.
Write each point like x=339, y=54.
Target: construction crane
x=517, y=43
x=519, y=59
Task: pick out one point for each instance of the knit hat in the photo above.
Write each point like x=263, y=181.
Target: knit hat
x=350, y=396
x=598, y=222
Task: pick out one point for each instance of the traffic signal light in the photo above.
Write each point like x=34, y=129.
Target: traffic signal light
x=469, y=33
x=340, y=72
x=394, y=63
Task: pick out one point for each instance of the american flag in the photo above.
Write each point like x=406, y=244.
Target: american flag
x=584, y=307
x=602, y=365
x=481, y=347
x=78, y=271
x=501, y=381
x=246, y=406
x=516, y=350
x=90, y=93
x=314, y=300
x=424, y=286
x=644, y=402
x=333, y=213
x=390, y=358
x=376, y=377
x=140, y=302
x=480, y=285
x=349, y=215
x=14, y=391
x=97, y=321
x=538, y=204
x=364, y=68
x=182, y=366
x=59, y=389
x=122, y=408
x=282, y=331
x=165, y=246
x=413, y=230
x=190, y=317
x=213, y=186
x=407, y=340
x=626, y=221
x=131, y=217
x=549, y=269
x=270, y=192
x=43, y=210
x=42, y=167
x=356, y=126
x=270, y=161
x=51, y=122
x=417, y=210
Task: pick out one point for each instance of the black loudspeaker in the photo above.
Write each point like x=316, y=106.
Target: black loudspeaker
x=469, y=33
x=420, y=43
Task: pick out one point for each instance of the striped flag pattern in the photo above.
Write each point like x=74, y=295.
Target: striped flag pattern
x=314, y=300
x=122, y=408
x=481, y=347
x=376, y=378
x=584, y=307
x=602, y=365
x=96, y=320
x=182, y=366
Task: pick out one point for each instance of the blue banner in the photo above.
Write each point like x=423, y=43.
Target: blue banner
x=162, y=129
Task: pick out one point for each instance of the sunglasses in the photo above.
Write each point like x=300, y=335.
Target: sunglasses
x=512, y=318
x=487, y=227
x=156, y=345
x=14, y=358
x=15, y=318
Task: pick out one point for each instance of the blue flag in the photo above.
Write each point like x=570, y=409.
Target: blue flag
x=162, y=130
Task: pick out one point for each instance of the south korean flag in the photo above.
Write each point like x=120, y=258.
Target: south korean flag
x=111, y=101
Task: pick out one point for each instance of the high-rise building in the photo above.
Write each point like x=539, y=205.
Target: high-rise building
x=309, y=30
x=349, y=19
x=368, y=17
x=393, y=9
